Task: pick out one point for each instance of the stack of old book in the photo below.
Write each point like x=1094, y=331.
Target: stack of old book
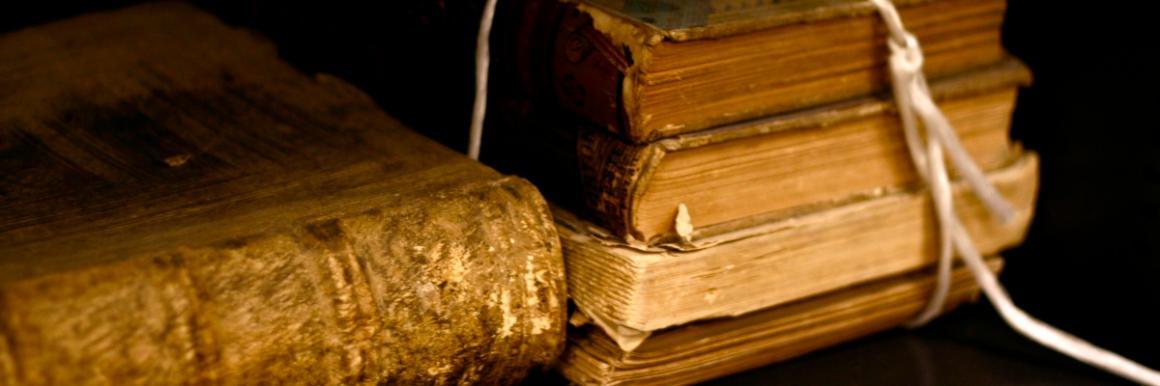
x=747, y=192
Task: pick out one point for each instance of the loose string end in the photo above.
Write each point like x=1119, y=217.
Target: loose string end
x=913, y=98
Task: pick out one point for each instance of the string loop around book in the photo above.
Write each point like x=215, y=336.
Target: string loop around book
x=914, y=105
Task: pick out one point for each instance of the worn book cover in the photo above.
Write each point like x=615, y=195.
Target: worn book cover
x=735, y=176
x=179, y=206
x=653, y=69
x=740, y=175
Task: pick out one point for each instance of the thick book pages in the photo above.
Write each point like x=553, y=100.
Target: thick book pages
x=657, y=69
x=178, y=206
x=700, y=351
x=631, y=290
x=734, y=176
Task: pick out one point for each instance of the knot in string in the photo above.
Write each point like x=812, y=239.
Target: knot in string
x=907, y=56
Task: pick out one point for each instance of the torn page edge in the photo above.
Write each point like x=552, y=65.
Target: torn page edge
x=628, y=339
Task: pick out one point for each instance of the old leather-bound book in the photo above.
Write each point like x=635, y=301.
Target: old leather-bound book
x=740, y=175
x=704, y=350
x=735, y=176
x=178, y=206
x=632, y=290
x=649, y=70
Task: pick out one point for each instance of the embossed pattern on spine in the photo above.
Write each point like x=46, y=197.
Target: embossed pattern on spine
x=611, y=170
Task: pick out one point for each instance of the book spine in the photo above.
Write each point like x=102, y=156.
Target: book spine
x=614, y=173
x=587, y=70
x=463, y=285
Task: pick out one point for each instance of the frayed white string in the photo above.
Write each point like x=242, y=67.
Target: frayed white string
x=913, y=98
x=482, y=63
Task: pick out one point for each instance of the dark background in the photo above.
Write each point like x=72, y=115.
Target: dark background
x=1091, y=262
